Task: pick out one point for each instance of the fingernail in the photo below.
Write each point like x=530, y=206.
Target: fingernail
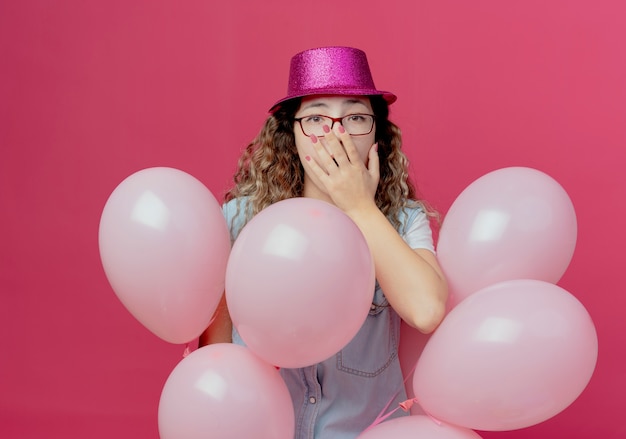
x=326, y=129
x=376, y=147
x=341, y=129
x=308, y=158
x=313, y=138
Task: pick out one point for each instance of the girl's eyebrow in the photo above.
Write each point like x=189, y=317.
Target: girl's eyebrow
x=353, y=101
x=319, y=104
x=314, y=105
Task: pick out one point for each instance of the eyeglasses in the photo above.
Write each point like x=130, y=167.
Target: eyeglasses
x=354, y=124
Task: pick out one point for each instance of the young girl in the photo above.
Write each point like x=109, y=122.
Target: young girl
x=331, y=139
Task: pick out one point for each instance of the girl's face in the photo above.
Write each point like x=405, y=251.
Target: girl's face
x=335, y=107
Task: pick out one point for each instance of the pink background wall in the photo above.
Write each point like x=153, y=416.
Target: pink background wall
x=91, y=92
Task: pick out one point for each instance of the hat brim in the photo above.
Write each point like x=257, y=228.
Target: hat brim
x=390, y=98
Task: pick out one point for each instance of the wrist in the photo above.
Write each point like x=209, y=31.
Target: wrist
x=363, y=212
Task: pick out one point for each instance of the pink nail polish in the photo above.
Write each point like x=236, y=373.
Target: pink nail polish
x=308, y=158
x=313, y=138
x=341, y=129
x=376, y=147
x=326, y=129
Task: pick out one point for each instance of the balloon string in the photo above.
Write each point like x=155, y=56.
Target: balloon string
x=408, y=403
x=187, y=350
x=432, y=418
x=404, y=405
x=380, y=415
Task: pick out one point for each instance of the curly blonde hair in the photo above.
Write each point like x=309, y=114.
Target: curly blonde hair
x=270, y=170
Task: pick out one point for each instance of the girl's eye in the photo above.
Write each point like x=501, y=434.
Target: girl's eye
x=314, y=119
x=356, y=118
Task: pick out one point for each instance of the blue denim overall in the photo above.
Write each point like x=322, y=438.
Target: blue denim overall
x=341, y=396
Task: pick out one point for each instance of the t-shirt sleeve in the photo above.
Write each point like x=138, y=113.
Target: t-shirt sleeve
x=416, y=229
x=234, y=214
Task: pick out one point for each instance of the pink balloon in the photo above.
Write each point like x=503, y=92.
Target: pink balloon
x=513, y=223
x=299, y=282
x=509, y=356
x=164, y=245
x=417, y=426
x=224, y=391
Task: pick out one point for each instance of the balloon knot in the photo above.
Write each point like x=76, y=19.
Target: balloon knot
x=187, y=351
x=406, y=405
